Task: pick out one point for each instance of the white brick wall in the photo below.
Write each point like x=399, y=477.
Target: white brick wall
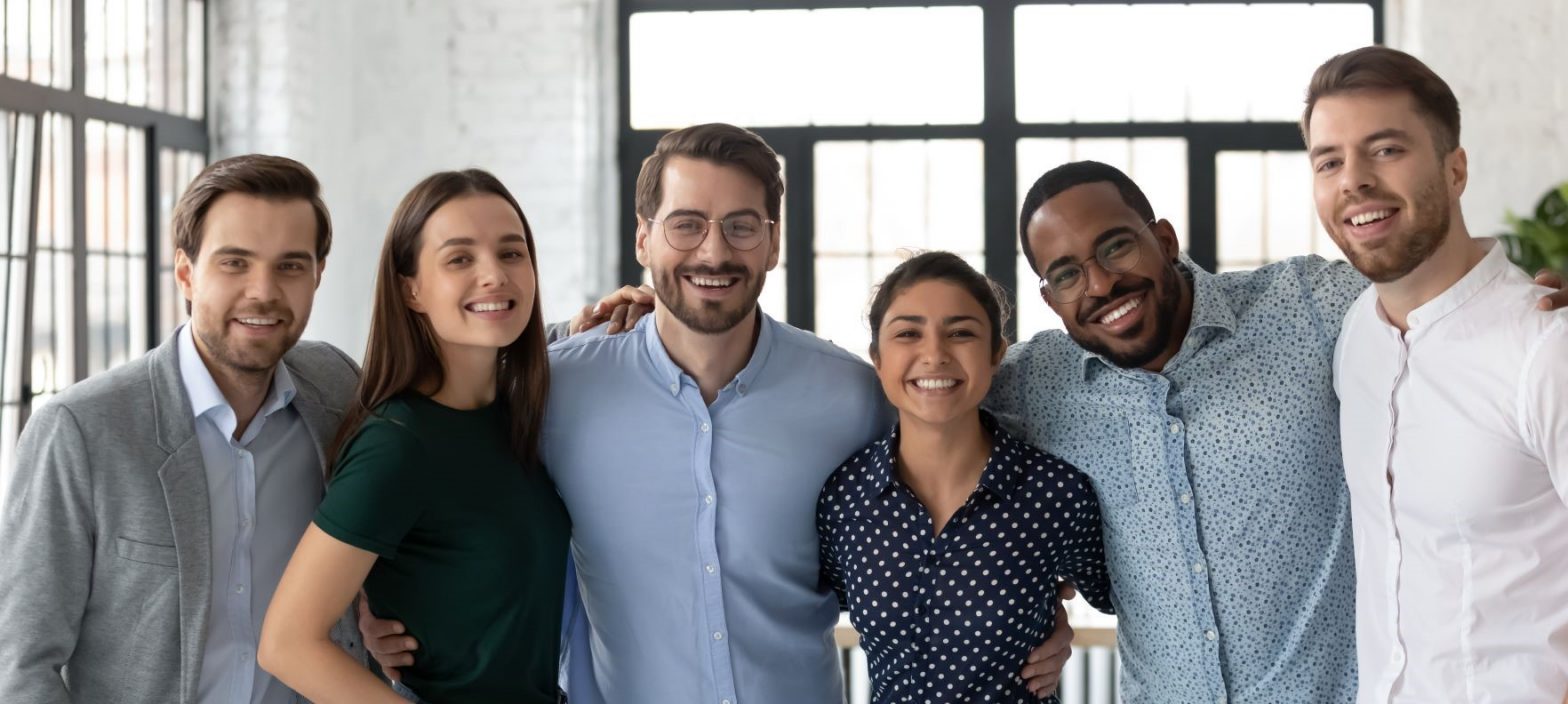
x=375, y=94
x=1508, y=64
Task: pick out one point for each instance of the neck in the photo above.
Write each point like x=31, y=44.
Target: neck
x=469, y=377
x=243, y=390
x=1449, y=263
x=1179, y=326
x=712, y=360
x=942, y=463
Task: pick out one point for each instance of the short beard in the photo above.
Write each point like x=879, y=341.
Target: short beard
x=1397, y=258
x=218, y=347
x=1168, y=300
x=707, y=317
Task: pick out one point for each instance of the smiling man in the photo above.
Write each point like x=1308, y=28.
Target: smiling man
x=1454, y=414
x=153, y=507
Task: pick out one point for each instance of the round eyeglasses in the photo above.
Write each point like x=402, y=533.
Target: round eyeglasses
x=743, y=232
x=1118, y=254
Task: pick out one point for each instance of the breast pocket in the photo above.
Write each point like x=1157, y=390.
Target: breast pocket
x=1100, y=446
x=146, y=553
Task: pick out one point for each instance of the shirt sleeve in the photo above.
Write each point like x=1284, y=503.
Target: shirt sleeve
x=831, y=575
x=1081, y=552
x=1543, y=396
x=377, y=493
x=1333, y=286
x=1006, y=395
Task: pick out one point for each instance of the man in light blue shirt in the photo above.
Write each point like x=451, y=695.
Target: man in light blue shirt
x=694, y=521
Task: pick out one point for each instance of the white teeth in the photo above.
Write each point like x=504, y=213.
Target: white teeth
x=260, y=321
x=1370, y=217
x=489, y=307
x=936, y=384
x=711, y=283
x=1120, y=311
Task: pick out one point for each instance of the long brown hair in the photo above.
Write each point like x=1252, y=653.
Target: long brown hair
x=402, y=353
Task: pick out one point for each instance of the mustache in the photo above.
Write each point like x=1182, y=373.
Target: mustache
x=271, y=312
x=1348, y=202
x=1092, y=305
x=725, y=269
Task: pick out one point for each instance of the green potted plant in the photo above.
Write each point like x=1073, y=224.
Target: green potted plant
x=1541, y=242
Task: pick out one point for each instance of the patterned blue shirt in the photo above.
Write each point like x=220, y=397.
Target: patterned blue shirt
x=951, y=618
x=1227, y=521
x=694, y=524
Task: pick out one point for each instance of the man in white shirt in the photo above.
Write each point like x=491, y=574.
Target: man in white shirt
x=1454, y=404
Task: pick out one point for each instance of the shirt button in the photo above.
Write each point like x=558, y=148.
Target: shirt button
x=1185, y=498
x=675, y=388
x=239, y=589
x=1211, y=635
x=724, y=701
x=711, y=568
x=704, y=427
x=708, y=499
x=1197, y=568
x=741, y=388
x=1175, y=427
x=718, y=636
x=244, y=522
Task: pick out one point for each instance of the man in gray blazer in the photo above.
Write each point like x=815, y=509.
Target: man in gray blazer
x=153, y=507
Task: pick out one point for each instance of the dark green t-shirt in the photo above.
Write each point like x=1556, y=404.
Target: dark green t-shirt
x=472, y=548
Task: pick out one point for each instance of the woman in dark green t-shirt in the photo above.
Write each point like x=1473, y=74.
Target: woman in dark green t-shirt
x=437, y=504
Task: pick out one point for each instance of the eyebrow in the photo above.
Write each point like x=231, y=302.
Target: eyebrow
x=232, y=251
x=921, y=320
x=469, y=241
x=687, y=211
x=1103, y=236
x=1388, y=133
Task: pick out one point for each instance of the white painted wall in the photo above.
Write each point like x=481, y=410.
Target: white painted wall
x=374, y=95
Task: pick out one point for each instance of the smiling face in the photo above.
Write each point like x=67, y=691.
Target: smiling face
x=475, y=281
x=934, y=353
x=1129, y=318
x=252, y=284
x=1383, y=192
x=713, y=287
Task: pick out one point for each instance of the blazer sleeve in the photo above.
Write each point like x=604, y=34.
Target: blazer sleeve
x=46, y=557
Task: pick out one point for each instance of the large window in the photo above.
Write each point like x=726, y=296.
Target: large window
x=905, y=128
x=103, y=105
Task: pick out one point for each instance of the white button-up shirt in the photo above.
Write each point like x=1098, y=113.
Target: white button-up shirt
x=1455, y=436
x=263, y=489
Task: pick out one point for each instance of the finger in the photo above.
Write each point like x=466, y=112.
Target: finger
x=377, y=629
x=1043, y=687
x=647, y=292
x=635, y=313
x=393, y=644
x=1066, y=592
x=1554, y=301
x=1049, y=667
x=1549, y=278
x=618, y=319
x=392, y=673
x=397, y=659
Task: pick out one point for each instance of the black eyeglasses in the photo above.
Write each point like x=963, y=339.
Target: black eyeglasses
x=1066, y=282
x=743, y=232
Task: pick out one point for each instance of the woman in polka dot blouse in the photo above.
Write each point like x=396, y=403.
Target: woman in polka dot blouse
x=946, y=539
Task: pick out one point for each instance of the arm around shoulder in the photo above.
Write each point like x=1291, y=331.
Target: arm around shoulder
x=47, y=536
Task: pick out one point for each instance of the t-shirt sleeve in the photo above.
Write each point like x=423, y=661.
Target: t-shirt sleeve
x=377, y=493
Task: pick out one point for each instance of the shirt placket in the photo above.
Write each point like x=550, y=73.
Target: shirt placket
x=1396, y=657
x=1172, y=429
x=240, y=612
x=710, y=569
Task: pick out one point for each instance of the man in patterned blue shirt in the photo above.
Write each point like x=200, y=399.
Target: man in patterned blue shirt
x=1202, y=408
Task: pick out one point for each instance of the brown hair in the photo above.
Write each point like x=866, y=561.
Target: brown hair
x=939, y=266
x=402, y=351
x=1379, y=68
x=716, y=142
x=260, y=175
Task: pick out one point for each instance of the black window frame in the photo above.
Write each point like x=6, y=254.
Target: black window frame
x=161, y=130
x=998, y=131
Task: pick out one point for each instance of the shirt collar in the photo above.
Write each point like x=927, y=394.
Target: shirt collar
x=672, y=376
x=207, y=398
x=1211, y=313
x=1484, y=272
x=998, y=477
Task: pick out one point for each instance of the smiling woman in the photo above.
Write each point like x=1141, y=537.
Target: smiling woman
x=437, y=505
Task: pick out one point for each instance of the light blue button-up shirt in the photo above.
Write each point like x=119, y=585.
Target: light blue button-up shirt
x=694, y=525
x=1227, y=521
x=263, y=489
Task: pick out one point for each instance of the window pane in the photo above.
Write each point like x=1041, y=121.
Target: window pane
x=116, y=240
x=195, y=59
x=135, y=31
x=176, y=170
x=865, y=66
x=876, y=203
x=95, y=50
x=1265, y=209
x=53, y=361
x=1157, y=164
x=1117, y=63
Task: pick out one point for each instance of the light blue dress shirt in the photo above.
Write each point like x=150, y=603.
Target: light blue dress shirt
x=694, y=526
x=1227, y=519
x=263, y=489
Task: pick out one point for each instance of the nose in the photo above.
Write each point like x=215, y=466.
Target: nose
x=933, y=349
x=490, y=272
x=1100, y=280
x=714, y=248
x=1356, y=175
x=262, y=285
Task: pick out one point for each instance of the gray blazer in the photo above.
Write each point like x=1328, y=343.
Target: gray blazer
x=105, y=554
